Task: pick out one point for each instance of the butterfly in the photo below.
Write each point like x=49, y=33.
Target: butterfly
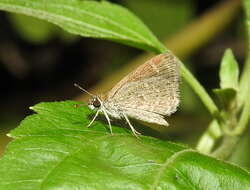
x=149, y=93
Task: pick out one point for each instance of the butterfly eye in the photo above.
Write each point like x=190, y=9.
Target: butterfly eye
x=96, y=103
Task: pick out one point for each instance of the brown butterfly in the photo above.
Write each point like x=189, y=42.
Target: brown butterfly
x=149, y=93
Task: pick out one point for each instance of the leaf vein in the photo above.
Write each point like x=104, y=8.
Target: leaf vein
x=166, y=164
x=114, y=23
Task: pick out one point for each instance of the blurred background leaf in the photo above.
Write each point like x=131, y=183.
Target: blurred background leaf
x=159, y=15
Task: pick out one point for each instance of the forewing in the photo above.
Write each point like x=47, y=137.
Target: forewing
x=152, y=87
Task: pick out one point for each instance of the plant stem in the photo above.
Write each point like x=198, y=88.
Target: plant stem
x=208, y=139
x=244, y=83
x=244, y=90
x=200, y=91
x=245, y=77
x=244, y=118
x=227, y=147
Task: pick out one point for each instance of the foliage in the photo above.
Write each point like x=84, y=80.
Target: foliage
x=54, y=149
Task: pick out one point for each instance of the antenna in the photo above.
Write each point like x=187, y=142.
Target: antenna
x=82, y=89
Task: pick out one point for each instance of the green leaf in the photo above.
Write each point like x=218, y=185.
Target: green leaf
x=226, y=97
x=229, y=71
x=53, y=149
x=90, y=19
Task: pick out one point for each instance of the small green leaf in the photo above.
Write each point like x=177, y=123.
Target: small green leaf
x=226, y=96
x=229, y=71
x=54, y=149
x=90, y=19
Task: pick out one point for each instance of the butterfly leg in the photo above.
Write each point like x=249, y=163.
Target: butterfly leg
x=97, y=113
x=108, y=119
x=136, y=133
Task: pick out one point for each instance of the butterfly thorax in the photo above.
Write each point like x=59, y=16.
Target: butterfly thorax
x=104, y=105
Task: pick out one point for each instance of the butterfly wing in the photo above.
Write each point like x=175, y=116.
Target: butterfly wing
x=152, y=87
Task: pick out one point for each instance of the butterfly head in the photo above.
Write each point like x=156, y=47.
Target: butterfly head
x=94, y=103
